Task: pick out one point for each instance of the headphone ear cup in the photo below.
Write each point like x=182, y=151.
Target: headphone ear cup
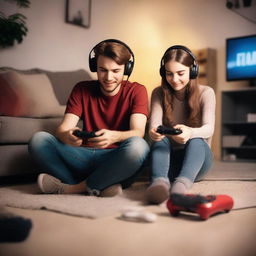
x=93, y=64
x=128, y=68
x=193, y=72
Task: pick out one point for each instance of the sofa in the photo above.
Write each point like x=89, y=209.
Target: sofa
x=30, y=101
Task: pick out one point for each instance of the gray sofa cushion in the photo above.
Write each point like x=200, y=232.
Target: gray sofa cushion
x=14, y=130
x=15, y=160
x=63, y=82
x=28, y=71
x=19, y=130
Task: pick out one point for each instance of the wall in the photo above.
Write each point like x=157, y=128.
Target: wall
x=147, y=26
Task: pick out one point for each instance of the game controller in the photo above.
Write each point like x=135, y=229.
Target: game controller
x=84, y=134
x=205, y=206
x=168, y=130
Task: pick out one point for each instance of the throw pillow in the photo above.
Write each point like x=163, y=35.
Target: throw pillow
x=28, y=95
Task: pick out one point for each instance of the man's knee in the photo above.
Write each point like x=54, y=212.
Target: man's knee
x=39, y=139
x=137, y=147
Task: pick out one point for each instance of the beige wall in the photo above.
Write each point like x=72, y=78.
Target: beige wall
x=147, y=26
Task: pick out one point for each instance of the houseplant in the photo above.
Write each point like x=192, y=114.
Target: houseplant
x=13, y=27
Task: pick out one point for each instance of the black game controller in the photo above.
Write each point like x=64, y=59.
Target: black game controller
x=168, y=130
x=84, y=134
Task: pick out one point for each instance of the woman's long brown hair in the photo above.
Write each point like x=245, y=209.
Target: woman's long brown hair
x=194, y=114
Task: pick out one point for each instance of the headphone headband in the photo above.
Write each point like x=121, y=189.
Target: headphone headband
x=128, y=66
x=193, y=69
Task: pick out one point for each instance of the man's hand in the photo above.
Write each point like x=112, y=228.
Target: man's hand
x=104, y=138
x=67, y=137
x=65, y=131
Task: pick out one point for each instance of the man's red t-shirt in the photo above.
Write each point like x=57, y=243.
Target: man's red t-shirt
x=107, y=112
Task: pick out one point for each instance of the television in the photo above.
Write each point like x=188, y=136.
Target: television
x=241, y=59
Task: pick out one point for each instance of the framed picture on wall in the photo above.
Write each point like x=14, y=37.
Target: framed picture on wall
x=78, y=12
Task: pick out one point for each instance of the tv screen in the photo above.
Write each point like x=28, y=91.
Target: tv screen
x=241, y=58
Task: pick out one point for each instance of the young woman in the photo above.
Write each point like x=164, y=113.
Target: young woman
x=180, y=102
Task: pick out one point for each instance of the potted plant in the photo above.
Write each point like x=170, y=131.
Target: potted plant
x=13, y=27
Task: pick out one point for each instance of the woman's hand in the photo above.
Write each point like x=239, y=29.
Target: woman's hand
x=155, y=136
x=184, y=136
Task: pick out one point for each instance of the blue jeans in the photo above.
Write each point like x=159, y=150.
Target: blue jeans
x=100, y=168
x=192, y=162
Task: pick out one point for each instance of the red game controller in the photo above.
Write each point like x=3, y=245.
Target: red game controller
x=205, y=206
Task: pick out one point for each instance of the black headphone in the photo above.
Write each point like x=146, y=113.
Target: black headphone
x=128, y=66
x=193, y=72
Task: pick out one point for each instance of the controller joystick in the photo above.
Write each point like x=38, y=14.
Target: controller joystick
x=168, y=130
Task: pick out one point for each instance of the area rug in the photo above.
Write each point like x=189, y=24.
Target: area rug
x=29, y=197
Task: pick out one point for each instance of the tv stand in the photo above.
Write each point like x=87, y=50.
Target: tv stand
x=238, y=125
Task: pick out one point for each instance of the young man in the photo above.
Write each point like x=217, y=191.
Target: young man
x=116, y=111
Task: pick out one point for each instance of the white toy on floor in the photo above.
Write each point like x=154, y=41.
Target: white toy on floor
x=137, y=214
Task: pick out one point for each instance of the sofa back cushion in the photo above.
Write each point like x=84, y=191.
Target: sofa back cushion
x=64, y=81
x=28, y=95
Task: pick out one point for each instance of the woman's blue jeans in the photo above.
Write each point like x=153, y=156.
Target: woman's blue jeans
x=191, y=162
x=99, y=167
